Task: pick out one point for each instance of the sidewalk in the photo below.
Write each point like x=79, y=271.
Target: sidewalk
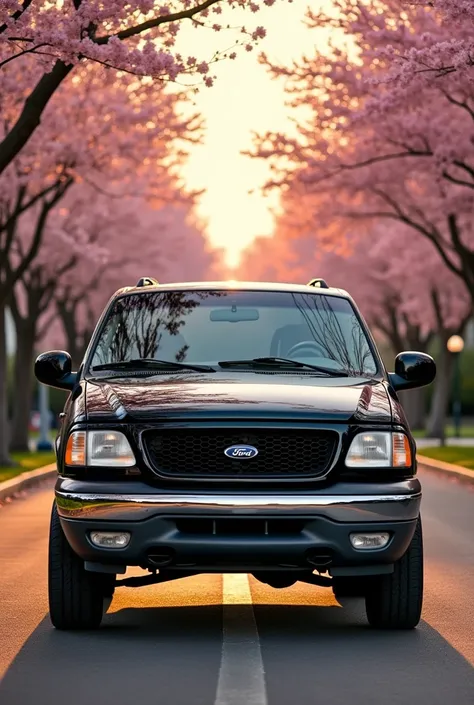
x=430, y=442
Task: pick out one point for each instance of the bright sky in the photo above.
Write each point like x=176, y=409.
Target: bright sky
x=244, y=99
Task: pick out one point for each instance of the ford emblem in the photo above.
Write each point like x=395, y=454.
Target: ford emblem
x=241, y=452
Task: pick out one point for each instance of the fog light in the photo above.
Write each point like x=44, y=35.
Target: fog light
x=110, y=539
x=368, y=541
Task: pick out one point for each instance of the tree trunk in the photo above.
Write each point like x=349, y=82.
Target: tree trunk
x=4, y=428
x=76, y=342
x=23, y=380
x=30, y=116
x=439, y=405
x=414, y=405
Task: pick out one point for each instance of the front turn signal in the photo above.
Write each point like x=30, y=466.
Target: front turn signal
x=401, y=451
x=76, y=449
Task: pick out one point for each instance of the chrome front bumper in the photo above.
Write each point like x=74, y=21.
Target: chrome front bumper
x=155, y=518
x=380, y=507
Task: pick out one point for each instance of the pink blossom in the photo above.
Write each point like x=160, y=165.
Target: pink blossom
x=138, y=39
x=259, y=33
x=65, y=30
x=380, y=141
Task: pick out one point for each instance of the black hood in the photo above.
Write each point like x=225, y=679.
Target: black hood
x=248, y=395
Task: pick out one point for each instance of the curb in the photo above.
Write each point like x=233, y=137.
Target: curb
x=446, y=468
x=26, y=480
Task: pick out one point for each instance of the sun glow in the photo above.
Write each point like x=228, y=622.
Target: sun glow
x=242, y=101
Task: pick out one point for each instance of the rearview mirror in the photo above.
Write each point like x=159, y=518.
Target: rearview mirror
x=53, y=368
x=412, y=369
x=229, y=315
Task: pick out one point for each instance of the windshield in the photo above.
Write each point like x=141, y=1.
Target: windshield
x=208, y=327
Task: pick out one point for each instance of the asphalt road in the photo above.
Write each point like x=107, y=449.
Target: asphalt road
x=214, y=640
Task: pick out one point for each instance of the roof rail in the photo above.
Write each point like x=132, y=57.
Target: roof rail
x=321, y=283
x=147, y=281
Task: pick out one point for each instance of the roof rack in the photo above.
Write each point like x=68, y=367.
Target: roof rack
x=321, y=283
x=147, y=281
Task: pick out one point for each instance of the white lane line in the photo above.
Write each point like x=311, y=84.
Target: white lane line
x=241, y=676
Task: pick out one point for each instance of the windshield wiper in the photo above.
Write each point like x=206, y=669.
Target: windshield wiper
x=150, y=363
x=282, y=363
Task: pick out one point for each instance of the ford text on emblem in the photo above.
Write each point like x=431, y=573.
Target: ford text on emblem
x=241, y=452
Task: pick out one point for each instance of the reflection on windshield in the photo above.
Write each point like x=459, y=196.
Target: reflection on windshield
x=209, y=326
x=141, y=326
x=329, y=335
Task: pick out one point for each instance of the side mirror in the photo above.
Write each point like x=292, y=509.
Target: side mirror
x=54, y=369
x=412, y=369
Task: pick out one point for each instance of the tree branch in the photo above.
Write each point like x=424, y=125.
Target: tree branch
x=16, y=15
x=10, y=227
x=30, y=116
x=18, y=210
x=457, y=182
x=412, y=224
x=437, y=309
x=157, y=21
x=387, y=157
x=465, y=167
x=459, y=103
x=21, y=53
x=47, y=206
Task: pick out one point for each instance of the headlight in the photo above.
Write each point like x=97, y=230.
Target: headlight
x=99, y=448
x=379, y=449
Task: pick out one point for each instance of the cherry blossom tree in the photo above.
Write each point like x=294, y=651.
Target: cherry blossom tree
x=71, y=236
x=84, y=257
x=135, y=147
x=139, y=38
x=445, y=46
x=372, y=150
x=134, y=143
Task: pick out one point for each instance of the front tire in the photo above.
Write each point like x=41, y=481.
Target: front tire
x=76, y=596
x=394, y=601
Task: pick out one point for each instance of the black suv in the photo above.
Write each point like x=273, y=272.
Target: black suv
x=226, y=427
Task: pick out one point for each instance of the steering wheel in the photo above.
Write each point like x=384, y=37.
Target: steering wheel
x=310, y=348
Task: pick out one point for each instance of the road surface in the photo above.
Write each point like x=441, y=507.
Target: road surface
x=229, y=640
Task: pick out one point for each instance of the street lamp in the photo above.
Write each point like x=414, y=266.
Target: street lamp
x=455, y=346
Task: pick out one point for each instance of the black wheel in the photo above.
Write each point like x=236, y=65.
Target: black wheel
x=349, y=587
x=76, y=596
x=394, y=601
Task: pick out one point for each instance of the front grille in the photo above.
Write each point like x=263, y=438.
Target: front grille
x=282, y=454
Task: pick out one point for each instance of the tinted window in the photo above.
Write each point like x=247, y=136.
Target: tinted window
x=207, y=327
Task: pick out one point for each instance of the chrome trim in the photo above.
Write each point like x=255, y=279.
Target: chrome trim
x=355, y=508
